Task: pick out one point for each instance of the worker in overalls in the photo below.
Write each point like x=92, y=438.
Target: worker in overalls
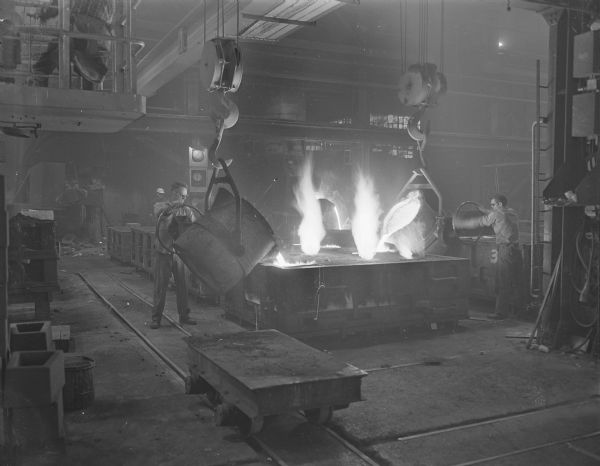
x=170, y=214
x=509, y=266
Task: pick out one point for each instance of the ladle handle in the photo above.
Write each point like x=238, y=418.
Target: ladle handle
x=161, y=217
x=227, y=179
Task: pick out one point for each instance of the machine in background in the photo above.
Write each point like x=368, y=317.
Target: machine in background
x=32, y=260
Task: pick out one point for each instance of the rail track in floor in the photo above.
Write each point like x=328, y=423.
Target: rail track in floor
x=273, y=440
x=313, y=444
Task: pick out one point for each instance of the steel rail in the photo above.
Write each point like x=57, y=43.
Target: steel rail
x=341, y=440
x=349, y=446
x=181, y=373
x=127, y=288
x=272, y=452
x=585, y=452
x=488, y=421
x=269, y=451
x=526, y=450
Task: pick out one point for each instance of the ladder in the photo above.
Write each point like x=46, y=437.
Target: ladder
x=537, y=205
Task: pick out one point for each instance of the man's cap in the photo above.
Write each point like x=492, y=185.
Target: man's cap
x=160, y=191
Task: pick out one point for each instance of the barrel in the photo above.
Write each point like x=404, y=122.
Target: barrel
x=468, y=223
x=210, y=249
x=78, y=391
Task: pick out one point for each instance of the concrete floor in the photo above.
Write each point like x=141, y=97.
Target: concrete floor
x=431, y=398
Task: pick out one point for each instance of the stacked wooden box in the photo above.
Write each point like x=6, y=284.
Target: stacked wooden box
x=142, y=248
x=119, y=243
x=33, y=270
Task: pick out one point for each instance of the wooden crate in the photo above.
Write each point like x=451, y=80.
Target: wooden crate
x=119, y=244
x=142, y=248
x=32, y=263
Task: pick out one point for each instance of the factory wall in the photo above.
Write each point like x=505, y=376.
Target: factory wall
x=336, y=77
x=130, y=167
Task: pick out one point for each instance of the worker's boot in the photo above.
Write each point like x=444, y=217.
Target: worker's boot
x=186, y=319
x=154, y=324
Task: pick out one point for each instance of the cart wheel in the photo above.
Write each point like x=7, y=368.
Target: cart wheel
x=319, y=415
x=196, y=385
x=214, y=397
x=257, y=424
x=250, y=426
x=224, y=415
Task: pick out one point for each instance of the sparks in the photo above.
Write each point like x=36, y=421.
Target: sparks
x=281, y=262
x=311, y=230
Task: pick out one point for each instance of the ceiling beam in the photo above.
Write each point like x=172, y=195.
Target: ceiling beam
x=591, y=7
x=248, y=127
x=52, y=109
x=182, y=46
x=203, y=126
x=273, y=19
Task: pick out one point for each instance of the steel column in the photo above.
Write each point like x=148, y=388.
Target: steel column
x=64, y=43
x=3, y=310
x=3, y=274
x=565, y=149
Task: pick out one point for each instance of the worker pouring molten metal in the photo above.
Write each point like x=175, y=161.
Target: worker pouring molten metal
x=509, y=266
x=400, y=229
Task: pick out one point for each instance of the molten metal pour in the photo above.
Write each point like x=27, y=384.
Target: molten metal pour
x=369, y=236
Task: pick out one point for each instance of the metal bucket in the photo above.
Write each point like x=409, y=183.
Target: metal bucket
x=420, y=234
x=257, y=237
x=78, y=391
x=216, y=252
x=466, y=221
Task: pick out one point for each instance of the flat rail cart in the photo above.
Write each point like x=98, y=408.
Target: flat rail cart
x=250, y=375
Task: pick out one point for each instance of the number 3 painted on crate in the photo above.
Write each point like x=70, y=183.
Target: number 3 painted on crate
x=494, y=256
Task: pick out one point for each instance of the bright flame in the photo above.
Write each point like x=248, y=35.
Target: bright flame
x=405, y=251
x=281, y=262
x=383, y=247
x=311, y=230
x=410, y=241
x=365, y=222
x=400, y=229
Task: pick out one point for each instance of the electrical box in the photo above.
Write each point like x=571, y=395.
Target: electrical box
x=586, y=114
x=199, y=175
x=588, y=190
x=586, y=54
